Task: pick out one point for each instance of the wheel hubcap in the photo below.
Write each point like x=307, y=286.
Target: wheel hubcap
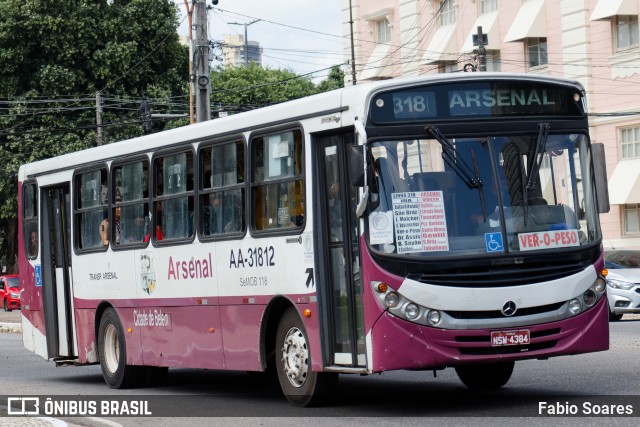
x=295, y=356
x=111, y=348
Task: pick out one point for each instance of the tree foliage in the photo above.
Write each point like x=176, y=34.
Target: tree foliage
x=335, y=80
x=237, y=89
x=245, y=88
x=55, y=56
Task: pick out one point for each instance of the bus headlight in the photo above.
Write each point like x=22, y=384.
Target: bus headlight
x=391, y=299
x=411, y=311
x=589, y=297
x=434, y=317
x=575, y=306
x=400, y=306
x=600, y=285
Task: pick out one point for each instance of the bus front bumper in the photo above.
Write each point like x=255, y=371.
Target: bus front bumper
x=398, y=344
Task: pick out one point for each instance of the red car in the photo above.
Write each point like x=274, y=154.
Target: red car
x=10, y=292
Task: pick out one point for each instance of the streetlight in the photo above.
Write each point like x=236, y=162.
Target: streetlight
x=246, y=41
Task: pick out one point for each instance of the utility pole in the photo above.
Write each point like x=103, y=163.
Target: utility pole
x=481, y=40
x=189, y=9
x=353, y=53
x=246, y=40
x=98, y=118
x=201, y=76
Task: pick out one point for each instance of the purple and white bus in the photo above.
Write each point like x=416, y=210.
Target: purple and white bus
x=425, y=223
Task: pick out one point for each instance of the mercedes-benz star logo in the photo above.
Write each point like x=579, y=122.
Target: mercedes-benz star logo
x=509, y=308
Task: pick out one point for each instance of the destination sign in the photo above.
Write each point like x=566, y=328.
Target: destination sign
x=476, y=99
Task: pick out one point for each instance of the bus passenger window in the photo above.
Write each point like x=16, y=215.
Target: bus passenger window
x=131, y=204
x=30, y=220
x=174, y=186
x=91, y=231
x=278, y=195
x=222, y=193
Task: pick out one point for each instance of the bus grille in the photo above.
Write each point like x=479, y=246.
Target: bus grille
x=496, y=314
x=499, y=275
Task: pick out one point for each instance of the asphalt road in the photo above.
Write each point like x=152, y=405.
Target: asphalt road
x=399, y=398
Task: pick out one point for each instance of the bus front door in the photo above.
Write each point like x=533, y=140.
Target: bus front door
x=56, y=272
x=339, y=288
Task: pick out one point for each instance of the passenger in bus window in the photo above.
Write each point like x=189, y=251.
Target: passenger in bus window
x=213, y=215
x=104, y=229
x=158, y=231
x=118, y=210
x=33, y=247
x=140, y=230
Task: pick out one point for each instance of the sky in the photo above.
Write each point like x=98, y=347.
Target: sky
x=303, y=36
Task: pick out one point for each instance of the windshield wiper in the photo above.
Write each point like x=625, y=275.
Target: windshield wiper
x=455, y=160
x=451, y=156
x=541, y=144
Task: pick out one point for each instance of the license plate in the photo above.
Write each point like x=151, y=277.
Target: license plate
x=502, y=338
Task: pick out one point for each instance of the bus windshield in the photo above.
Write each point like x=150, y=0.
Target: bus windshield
x=504, y=194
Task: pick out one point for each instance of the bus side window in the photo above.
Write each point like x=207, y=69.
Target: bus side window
x=277, y=185
x=131, y=211
x=222, y=197
x=90, y=209
x=30, y=220
x=174, y=184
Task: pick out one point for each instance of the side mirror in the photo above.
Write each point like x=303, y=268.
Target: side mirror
x=356, y=165
x=600, y=173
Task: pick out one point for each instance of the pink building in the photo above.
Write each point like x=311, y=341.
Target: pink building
x=596, y=42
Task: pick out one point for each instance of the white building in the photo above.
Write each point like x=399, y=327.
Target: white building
x=237, y=53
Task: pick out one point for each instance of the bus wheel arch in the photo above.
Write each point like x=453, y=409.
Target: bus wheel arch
x=272, y=315
x=112, y=352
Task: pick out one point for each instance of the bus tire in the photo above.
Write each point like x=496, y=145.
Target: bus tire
x=300, y=385
x=485, y=376
x=113, y=353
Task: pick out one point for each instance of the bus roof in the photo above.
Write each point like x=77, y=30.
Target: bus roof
x=352, y=98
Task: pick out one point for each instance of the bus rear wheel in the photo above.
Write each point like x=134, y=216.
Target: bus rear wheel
x=485, y=377
x=113, y=353
x=300, y=385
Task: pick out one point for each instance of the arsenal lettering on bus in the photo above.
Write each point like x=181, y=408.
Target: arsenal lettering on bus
x=500, y=98
x=190, y=269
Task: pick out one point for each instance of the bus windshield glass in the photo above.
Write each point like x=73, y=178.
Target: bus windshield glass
x=494, y=194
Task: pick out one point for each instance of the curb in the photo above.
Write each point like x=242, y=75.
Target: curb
x=11, y=327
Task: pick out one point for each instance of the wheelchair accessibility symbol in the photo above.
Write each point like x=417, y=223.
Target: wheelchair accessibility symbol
x=493, y=242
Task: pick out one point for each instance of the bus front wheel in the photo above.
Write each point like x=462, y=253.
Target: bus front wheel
x=113, y=353
x=301, y=385
x=485, y=377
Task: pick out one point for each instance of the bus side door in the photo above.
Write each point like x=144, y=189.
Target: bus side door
x=57, y=292
x=338, y=256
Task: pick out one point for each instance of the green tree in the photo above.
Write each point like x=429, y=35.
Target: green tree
x=335, y=80
x=237, y=89
x=54, y=56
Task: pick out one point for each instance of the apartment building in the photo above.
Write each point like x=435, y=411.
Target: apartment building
x=236, y=52
x=596, y=42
